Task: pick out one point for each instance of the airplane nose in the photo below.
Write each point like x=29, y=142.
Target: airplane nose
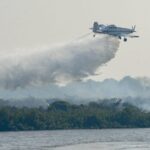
x=133, y=31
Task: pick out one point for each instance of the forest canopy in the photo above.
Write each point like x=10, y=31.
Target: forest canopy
x=65, y=115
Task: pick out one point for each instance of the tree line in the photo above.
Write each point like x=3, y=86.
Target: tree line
x=64, y=115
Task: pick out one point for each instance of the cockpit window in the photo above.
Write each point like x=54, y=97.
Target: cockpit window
x=112, y=26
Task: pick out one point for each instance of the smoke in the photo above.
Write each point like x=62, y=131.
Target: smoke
x=134, y=91
x=62, y=63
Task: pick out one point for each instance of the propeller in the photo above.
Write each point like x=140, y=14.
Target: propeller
x=133, y=27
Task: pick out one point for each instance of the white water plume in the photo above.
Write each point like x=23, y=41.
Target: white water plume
x=60, y=64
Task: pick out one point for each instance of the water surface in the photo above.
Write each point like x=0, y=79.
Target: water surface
x=117, y=139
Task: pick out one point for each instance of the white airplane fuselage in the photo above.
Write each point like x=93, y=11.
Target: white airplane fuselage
x=113, y=30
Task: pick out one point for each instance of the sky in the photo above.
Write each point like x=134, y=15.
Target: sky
x=27, y=24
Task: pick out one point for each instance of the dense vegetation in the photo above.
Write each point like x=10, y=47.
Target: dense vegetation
x=63, y=115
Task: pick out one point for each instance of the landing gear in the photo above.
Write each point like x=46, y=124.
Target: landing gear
x=94, y=35
x=119, y=37
x=125, y=39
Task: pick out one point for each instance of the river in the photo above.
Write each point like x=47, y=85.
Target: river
x=105, y=139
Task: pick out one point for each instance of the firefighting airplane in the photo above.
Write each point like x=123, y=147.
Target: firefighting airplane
x=113, y=30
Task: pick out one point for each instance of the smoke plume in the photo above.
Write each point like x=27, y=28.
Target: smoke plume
x=60, y=64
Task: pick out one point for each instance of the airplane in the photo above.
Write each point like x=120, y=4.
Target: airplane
x=113, y=30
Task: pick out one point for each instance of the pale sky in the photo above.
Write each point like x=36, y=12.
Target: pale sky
x=32, y=23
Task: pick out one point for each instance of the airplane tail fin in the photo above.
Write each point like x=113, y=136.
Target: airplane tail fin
x=95, y=26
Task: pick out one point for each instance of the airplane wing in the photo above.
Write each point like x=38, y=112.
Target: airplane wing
x=116, y=34
x=134, y=36
x=124, y=35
